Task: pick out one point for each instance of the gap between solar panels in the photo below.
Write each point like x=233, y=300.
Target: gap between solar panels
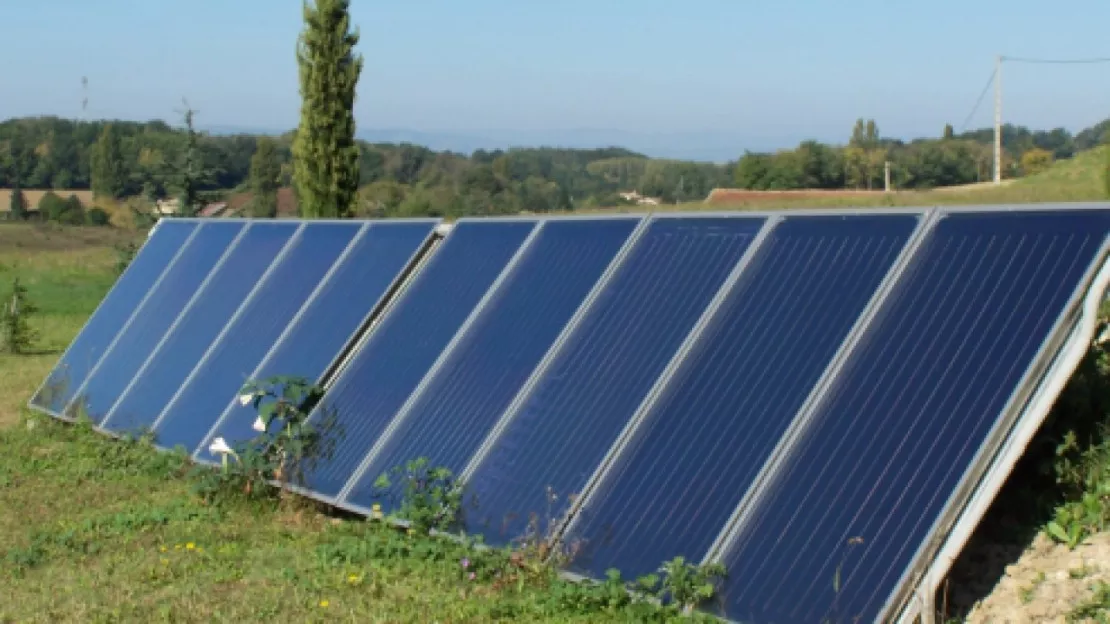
x=803, y=396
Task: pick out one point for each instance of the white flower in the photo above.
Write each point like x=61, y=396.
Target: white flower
x=245, y=399
x=219, y=447
x=259, y=425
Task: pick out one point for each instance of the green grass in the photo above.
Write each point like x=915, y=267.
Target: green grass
x=66, y=271
x=97, y=530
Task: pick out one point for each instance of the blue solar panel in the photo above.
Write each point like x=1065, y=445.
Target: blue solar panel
x=257, y=326
x=901, y=424
x=334, y=315
x=121, y=363
x=582, y=402
x=489, y=365
x=402, y=348
x=674, y=486
x=199, y=325
x=111, y=316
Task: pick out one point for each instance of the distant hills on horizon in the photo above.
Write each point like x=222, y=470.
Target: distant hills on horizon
x=704, y=146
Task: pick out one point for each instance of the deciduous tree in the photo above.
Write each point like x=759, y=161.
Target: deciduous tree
x=1035, y=160
x=107, y=172
x=325, y=155
x=18, y=205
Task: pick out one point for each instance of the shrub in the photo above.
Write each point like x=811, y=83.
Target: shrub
x=97, y=216
x=15, y=330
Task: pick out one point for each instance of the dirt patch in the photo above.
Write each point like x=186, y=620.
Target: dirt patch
x=34, y=196
x=1046, y=583
x=739, y=196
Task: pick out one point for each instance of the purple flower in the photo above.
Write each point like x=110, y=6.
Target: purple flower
x=465, y=563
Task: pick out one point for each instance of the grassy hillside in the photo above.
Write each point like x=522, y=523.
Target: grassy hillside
x=1075, y=179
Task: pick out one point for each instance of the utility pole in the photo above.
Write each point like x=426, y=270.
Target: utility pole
x=998, y=120
x=886, y=176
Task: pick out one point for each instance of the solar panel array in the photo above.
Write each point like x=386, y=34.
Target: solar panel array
x=800, y=396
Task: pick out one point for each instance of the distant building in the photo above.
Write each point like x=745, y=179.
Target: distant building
x=167, y=206
x=216, y=209
x=636, y=198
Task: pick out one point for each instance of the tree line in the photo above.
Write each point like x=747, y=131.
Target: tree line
x=120, y=159
x=923, y=163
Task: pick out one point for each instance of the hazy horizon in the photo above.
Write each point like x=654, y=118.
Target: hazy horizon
x=706, y=80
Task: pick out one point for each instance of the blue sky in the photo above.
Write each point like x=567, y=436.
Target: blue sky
x=755, y=73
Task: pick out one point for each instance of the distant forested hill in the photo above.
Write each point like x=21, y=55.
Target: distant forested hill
x=405, y=179
x=48, y=152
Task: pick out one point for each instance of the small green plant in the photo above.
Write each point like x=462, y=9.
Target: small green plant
x=1085, y=475
x=1081, y=572
x=125, y=253
x=683, y=584
x=430, y=497
x=1028, y=593
x=286, y=445
x=1069, y=527
x=16, y=334
x=1096, y=608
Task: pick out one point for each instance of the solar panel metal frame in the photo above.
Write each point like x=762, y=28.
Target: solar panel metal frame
x=965, y=517
x=825, y=381
x=126, y=324
x=387, y=434
x=223, y=257
x=1014, y=427
x=230, y=322
x=102, y=427
x=570, y=519
x=338, y=500
x=571, y=325
x=957, y=520
x=379, y=309
x=526, y=391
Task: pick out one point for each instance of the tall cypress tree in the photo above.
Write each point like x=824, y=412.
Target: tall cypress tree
x=325, y=155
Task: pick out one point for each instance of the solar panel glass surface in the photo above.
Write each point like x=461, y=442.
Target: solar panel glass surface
x=385, y=370
x=113, y=313
x=199, y=325
x=671, y=491
x=500, y=350
x=591, y=389
x=904, y=420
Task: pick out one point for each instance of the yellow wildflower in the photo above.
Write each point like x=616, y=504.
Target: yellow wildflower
x=324, y=604
x=190, y=546
x=353, y=578
x=162, y=549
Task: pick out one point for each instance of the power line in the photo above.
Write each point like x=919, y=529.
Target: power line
x=979, y=101
x=1080, y=61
